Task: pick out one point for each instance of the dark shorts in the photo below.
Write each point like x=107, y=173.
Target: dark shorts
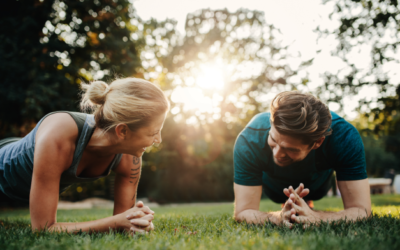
x=313, y=196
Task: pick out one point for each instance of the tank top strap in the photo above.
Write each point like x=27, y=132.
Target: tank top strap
x=79, y=119
x=84, y=138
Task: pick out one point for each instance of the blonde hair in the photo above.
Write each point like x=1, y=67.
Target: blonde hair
x=131, y=101
x=301, y=115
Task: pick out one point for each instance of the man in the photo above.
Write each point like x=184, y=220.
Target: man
x=299, y=141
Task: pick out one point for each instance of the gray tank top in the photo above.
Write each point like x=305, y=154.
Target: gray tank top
x=16, y=159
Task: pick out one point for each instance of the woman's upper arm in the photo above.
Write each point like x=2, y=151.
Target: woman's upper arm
x=54, y=149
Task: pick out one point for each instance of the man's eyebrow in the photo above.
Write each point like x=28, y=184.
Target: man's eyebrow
x=291, y=149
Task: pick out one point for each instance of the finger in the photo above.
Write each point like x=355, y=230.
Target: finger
x=300, y=219
x=299, y=188
x=140, y=222
x=137, y=230
x=299, y=210
x=288, y=205
x=286, y=192
x=149, y=228
x=295, y=218
x=139, y=204
x=295, y=199
x=148, y=217
x=136, y=214
x=287, y=214
x=287, y=224
x=147, y=210
x=304, y=193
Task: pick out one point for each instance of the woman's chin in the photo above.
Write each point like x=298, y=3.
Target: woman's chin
x=140, y=152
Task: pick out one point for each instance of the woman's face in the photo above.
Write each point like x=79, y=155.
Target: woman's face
x=144, y=137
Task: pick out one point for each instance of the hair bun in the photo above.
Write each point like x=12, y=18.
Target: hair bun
x=96, y=92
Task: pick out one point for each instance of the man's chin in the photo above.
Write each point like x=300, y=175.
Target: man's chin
x=282, y=164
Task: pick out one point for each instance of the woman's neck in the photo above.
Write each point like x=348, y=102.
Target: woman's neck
x=103, y=144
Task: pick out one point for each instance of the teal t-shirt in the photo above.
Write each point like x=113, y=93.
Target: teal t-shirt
x=342, y=151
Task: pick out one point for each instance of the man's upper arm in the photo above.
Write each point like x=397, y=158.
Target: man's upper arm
x=356, y=194
x=247, y=171
x=248, y=176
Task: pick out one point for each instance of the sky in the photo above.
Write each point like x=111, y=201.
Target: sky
x=296, y=21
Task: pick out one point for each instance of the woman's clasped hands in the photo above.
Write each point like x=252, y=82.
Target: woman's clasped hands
x=138, y=219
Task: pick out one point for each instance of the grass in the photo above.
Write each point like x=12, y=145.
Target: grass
x=214, y=229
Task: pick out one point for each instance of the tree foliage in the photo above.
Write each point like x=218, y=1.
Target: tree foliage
x=238, y=49
x=366, y=26
x=369, y=26
x=48, y=47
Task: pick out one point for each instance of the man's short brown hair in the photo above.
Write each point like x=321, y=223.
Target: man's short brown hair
x=302, y=116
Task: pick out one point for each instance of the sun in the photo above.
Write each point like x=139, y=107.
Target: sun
x=202, y=93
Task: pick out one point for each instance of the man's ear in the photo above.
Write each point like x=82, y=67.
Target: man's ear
x=319, y=142
x=121, y=130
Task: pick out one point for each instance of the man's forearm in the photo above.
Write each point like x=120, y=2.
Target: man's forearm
x=257, y=217
x=351, y=214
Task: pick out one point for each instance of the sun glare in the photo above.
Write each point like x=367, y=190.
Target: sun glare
x=210, y=78
x=196, y=95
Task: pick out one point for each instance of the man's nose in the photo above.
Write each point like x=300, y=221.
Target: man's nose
x=278, y=152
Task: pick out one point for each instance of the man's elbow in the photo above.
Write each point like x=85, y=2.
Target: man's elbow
x=363, y=212
x=368, y=211
x=237, y=216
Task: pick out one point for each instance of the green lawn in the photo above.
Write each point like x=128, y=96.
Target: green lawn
x=215, y=229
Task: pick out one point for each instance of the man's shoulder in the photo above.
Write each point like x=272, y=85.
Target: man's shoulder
x=344, y=135
x=255, y=133
x=260, y=122
x=340, y=126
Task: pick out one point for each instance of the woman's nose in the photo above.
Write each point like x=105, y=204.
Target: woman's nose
x=158, y=138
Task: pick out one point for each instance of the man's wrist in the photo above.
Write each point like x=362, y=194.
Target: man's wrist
x=275, y=217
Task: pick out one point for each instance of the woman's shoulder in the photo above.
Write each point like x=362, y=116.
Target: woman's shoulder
x=59, y=127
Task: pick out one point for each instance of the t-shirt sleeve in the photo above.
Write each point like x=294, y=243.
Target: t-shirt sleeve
x=348, y=153
x=246, y=170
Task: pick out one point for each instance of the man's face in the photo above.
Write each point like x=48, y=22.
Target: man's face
x=287, y=150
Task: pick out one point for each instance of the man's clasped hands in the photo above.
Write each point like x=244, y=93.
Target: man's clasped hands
x=296, y=210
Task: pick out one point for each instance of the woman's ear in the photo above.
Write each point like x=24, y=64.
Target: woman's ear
x=122, y=130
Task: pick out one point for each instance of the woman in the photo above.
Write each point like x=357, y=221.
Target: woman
x=67, y=147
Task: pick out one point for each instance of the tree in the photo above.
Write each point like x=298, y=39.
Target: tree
x=367, y=26
x=48, y=47
x=217, y=77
